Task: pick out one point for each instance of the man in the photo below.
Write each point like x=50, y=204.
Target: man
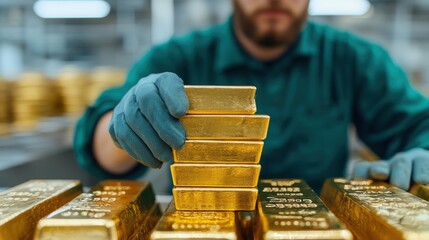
x=312, y=80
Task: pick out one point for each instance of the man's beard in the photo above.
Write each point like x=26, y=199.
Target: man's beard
x=270, y=39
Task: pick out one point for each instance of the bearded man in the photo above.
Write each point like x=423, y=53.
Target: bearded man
x=314, y=82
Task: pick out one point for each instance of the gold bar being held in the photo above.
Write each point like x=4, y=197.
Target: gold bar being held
x=221, y=99
x=21, y=207
x=213, y=151
x=377, y=210
x=226, y=127
x=215, y=199
x=112, y=209
x=147, y=225
x=290, y=209
x=215, y=175
x=202, y=225
x=420, y=190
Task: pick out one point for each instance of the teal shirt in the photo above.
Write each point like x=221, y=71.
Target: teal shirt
x=328, y=80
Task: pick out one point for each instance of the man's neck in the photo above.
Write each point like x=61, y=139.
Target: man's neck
x=265, y=54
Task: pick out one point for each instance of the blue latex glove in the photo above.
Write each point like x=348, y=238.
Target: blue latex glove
x=401, y=169
x=145, y=122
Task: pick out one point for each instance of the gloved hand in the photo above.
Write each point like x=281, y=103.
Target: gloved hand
x=403, y=168
x=145, y=122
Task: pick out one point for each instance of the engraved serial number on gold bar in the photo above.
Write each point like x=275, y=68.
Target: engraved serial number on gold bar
x=289, y=209
x=226, y=127
x=221, y=99
x=218, y=199
x=377, y=210
x=22, y=206
x=215, y=175
x=195, y=225
x=212, y=151
x=111, y=210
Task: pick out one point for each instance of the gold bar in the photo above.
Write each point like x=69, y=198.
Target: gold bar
x=226, y=127
x=290, y=209
x=420, y=190
x=377, y=210
x=215, y=175
x=212, y=151
x=221, y=99
x=215, y=199
x=147, y=225
x=22, y=206
x=112, y=209
x=195, y=225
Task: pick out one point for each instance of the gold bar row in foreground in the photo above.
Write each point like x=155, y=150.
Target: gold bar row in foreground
x=286, y=209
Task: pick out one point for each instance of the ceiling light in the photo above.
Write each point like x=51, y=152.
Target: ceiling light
x=339, y=7
x=71, y=9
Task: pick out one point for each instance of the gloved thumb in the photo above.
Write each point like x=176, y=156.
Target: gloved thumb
x=361, y=169
x=379, y=170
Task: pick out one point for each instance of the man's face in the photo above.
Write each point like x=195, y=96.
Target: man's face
x=271, y=23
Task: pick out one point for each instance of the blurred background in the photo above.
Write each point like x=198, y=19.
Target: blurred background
x=56, y=56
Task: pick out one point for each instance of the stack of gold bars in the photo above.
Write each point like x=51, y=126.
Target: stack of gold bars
x=103, y=78
x=33, y=99
x=72, y=85
x=4, y=107
x=218, y=167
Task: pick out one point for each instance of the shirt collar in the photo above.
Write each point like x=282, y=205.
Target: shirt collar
x=230, y=54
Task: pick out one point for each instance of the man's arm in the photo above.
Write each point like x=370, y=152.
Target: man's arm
x=94, y=147
x=110, y=157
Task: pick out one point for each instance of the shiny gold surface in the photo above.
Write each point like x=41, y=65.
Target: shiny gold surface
x=195, y=225
x=289, y=209
x=22, y=206
x=147, y=225
x=215, y=199
x=420, y=190
x=232, y=127
x=221, y=99
x=215, y=175
x=212, y=151
x=111, y=210
x=377, y=210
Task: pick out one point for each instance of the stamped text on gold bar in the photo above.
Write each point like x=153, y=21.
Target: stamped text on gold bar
x=21, y=207
x=377, y=210
x=215, y=175
x=195, y=225
x=221, y=99
x=227, y=127
x=217, y=199
x=289, y=209
x=213, y=151
x=111, y=210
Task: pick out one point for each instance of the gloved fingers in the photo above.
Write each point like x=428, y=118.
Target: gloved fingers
x=361, y=170
x=132, y=144
x=142, y=128
x=379, y=170
x=172, y=91
x=400, y=171
x=421, y=169
x=169, y=129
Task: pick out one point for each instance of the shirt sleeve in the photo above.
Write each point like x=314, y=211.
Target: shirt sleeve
x=390, y=115
x=162, y=58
